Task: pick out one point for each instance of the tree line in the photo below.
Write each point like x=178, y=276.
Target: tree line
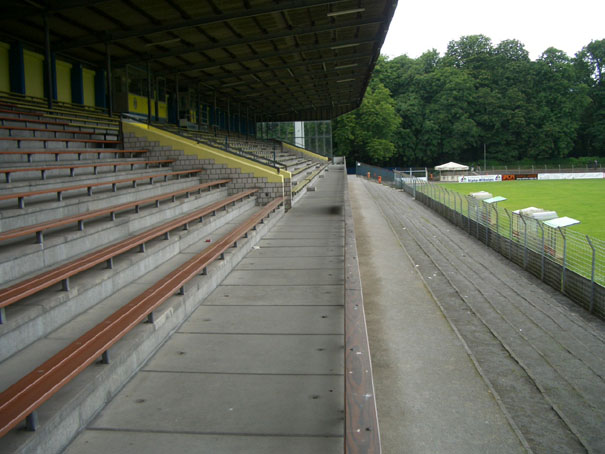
x=435, y=109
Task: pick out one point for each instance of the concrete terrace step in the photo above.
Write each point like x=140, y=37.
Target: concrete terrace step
x=30, y=155
x=74, y=406
x=53, y=142
x=56, y=171
x=49, y=308
x=50, y=132
x=104, y=174
x=112, y=211
x=112, y=124
x=47, y=208
x=23, y=257
x=41, y=110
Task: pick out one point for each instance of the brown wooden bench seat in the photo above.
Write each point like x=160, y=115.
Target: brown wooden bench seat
x=21, y=400
x=20, y=196
x=38, y=229
x=48, y=130
x=4, y=118
x=109, y=127
x=57, y=116
x=20, y=140
x=72, y=168
x=59, y=151
x=23, y=289
x=42, y=109
x=32, y=113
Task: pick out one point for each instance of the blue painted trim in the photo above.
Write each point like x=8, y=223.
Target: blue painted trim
x=16, y=65
x=100, y=88
x=77, y=84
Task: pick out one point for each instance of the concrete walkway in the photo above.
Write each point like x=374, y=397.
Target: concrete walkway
x=258, y=368
x=541, y=354
x=430, y=396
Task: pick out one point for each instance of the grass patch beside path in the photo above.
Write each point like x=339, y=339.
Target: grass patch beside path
x=579, y=199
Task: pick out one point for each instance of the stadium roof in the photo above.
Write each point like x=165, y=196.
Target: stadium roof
x=287, y=59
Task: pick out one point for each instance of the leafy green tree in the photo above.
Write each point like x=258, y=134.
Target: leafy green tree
x=432, y=109
x=589, y=63
x=368, y=133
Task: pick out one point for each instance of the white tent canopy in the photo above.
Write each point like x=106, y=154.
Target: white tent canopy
x=451, y=166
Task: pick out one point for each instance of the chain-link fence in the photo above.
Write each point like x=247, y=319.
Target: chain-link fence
x=374, y=172
x=569, y=261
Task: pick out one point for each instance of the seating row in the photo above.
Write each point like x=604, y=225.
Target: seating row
x=108, y=257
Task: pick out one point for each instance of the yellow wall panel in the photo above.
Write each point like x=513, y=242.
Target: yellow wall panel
x=138, y=104
x=88, y=80
x=5, y=84
x=63, y=81
x=34, y=73
x=163, y=110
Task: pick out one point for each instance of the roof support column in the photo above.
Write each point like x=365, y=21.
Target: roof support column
x=109, y=90
x=178, y=107
x=199, y=110
x=49, y=73
x=148, y=92
x=157, y=99
x=228, y=116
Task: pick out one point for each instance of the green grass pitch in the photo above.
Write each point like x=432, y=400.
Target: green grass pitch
x=583, y=200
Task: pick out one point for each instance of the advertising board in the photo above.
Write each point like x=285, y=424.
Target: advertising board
x=479, y=178
x=570, y=176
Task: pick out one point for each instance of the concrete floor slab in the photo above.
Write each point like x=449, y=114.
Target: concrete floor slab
x=228, y=404
x=285, y=277
x=251, y=354
x=285, y=234
x=291, y=263
x=307, y=295
x=430, y=396
x=95, y=441
x=313, y=228
x=266, y=320
x=302, y=242
x=301, y=251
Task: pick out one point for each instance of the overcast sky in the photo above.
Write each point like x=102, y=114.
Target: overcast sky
x=421, y=25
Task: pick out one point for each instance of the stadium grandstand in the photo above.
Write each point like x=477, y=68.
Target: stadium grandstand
x=182, y=258
x=137, y=188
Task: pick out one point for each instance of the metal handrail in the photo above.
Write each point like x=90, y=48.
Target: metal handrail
x=277, y=165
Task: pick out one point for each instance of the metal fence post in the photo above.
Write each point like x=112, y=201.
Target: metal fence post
x=461, y=208
x=592, y=288
x=542, y=251
x=510, y=234
x=455, y=210
x=497, y=226
x=486, y=224
x=524, y=241
x=564, y=260
x=477, y=219
x=468, y=208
